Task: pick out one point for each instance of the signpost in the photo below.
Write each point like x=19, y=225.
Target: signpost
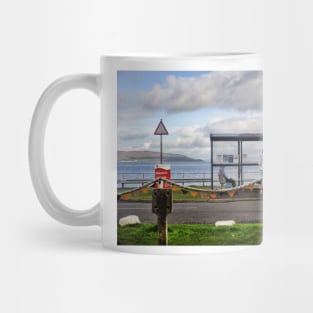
x=161, y=170
x=162, y=194
x=161, y=130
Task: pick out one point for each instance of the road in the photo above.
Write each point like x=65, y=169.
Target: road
x=197, y=212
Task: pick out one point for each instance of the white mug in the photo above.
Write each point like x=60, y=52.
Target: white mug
x=181, y=140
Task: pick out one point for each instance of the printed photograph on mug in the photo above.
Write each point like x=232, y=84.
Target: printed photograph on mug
x=189, y=159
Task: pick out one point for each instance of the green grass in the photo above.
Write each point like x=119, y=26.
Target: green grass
x=192, y=234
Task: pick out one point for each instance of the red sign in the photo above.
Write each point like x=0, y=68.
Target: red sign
x=162, y=171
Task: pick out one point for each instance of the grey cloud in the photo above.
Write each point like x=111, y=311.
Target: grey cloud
x=249, y=124
x=195, y=141
x=133, y=136
x=241, y=90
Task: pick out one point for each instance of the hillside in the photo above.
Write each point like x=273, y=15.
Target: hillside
x=152, y=156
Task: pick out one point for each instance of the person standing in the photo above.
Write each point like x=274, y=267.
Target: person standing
x=222, y=176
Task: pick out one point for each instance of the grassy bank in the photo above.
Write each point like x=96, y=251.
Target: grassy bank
x=183, y=195
x=192, y=234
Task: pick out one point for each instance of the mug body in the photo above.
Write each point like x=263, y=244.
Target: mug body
x=184, y=132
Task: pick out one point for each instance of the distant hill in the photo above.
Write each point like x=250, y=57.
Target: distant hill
x=152, y=156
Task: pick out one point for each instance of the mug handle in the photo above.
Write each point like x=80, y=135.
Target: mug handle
x=45, y=194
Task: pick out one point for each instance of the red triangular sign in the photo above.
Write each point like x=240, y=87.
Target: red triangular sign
x=161, y=129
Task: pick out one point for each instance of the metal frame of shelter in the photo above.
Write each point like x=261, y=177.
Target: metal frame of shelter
x=239, y=138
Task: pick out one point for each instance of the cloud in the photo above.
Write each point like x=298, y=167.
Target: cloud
x=233, y=100
x=133, y=138
x=194, y=141
x=130, y=106
x=128, y=135
x=191, y=140
x=240, y=90
x=243, y=124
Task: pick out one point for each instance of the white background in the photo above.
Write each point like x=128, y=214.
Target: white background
x=50, y=267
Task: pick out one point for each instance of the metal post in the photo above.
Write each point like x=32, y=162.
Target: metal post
x=160, y=131
x=211, y=164
x=239, y=162
x=241, y=176
x=161, y=149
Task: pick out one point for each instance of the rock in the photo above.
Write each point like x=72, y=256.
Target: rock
x=225, y=223
x=128, y=220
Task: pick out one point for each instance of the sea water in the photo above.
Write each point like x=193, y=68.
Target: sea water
x=179, y=170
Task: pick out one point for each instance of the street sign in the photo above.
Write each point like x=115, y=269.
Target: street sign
x=162, y=171
x=161, y=129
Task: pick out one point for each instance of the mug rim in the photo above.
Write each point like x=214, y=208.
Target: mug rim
x=184, y=56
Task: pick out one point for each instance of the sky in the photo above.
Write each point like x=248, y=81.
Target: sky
x=192, y=105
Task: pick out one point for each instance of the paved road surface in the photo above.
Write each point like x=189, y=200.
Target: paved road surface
x=193, y=213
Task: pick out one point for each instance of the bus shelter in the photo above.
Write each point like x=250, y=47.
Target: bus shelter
x=237, y=160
